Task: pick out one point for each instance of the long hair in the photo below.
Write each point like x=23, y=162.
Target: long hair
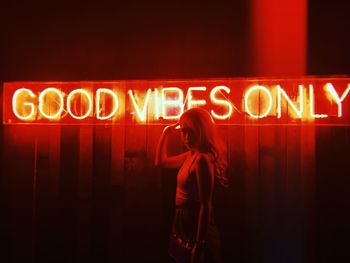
x=209, y=140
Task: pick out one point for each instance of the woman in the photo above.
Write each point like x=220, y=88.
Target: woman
x=205, y=158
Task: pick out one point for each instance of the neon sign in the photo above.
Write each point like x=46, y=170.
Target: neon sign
x=230, y=101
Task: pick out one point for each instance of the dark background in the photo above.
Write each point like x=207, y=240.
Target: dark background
x=42, y=40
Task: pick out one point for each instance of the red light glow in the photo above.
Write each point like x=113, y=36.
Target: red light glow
x=234, y=101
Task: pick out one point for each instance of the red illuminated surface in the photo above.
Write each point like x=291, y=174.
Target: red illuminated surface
x=279, y=36
x=230, y=101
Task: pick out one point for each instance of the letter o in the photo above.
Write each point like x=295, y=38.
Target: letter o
x=41, y=103
x=246, y=97
x=69, y=98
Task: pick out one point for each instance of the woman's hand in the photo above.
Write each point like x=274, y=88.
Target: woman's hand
x=171, y=127
x=162, y=158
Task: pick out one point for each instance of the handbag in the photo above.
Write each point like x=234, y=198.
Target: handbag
x=179, y=250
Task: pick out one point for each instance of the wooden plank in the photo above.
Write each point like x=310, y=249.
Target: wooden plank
x=47, y=191
x=307, y=167
x=101, y=192
x=294, y=211
x=68, y=196
x=85, y=162
x=267, y=195
x=251, y=153
x=85, y=193
x=117, y=151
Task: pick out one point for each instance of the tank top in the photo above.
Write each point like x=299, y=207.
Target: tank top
x=186, y=189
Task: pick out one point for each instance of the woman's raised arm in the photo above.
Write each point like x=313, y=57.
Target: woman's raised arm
x=162, y=158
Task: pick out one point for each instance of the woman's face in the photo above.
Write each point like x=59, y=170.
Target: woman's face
x=188, y=134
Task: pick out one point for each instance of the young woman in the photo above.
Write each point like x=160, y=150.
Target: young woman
x=204, y=160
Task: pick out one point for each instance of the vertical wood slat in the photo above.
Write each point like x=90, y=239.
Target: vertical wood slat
x=101, y=201
x=68, y=198
x=252, y=198
x=281, y=202
x=54, y=159
x=47, y=191
x=307, y=166
x=117, y=191
x=293, y=191
x=85, y=193
x=85, y=162
x=117, y=151
x=267, y=181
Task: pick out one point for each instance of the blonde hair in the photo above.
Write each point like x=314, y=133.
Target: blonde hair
x=209, y=140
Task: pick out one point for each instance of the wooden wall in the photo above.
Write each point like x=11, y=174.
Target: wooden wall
x=91, y=194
